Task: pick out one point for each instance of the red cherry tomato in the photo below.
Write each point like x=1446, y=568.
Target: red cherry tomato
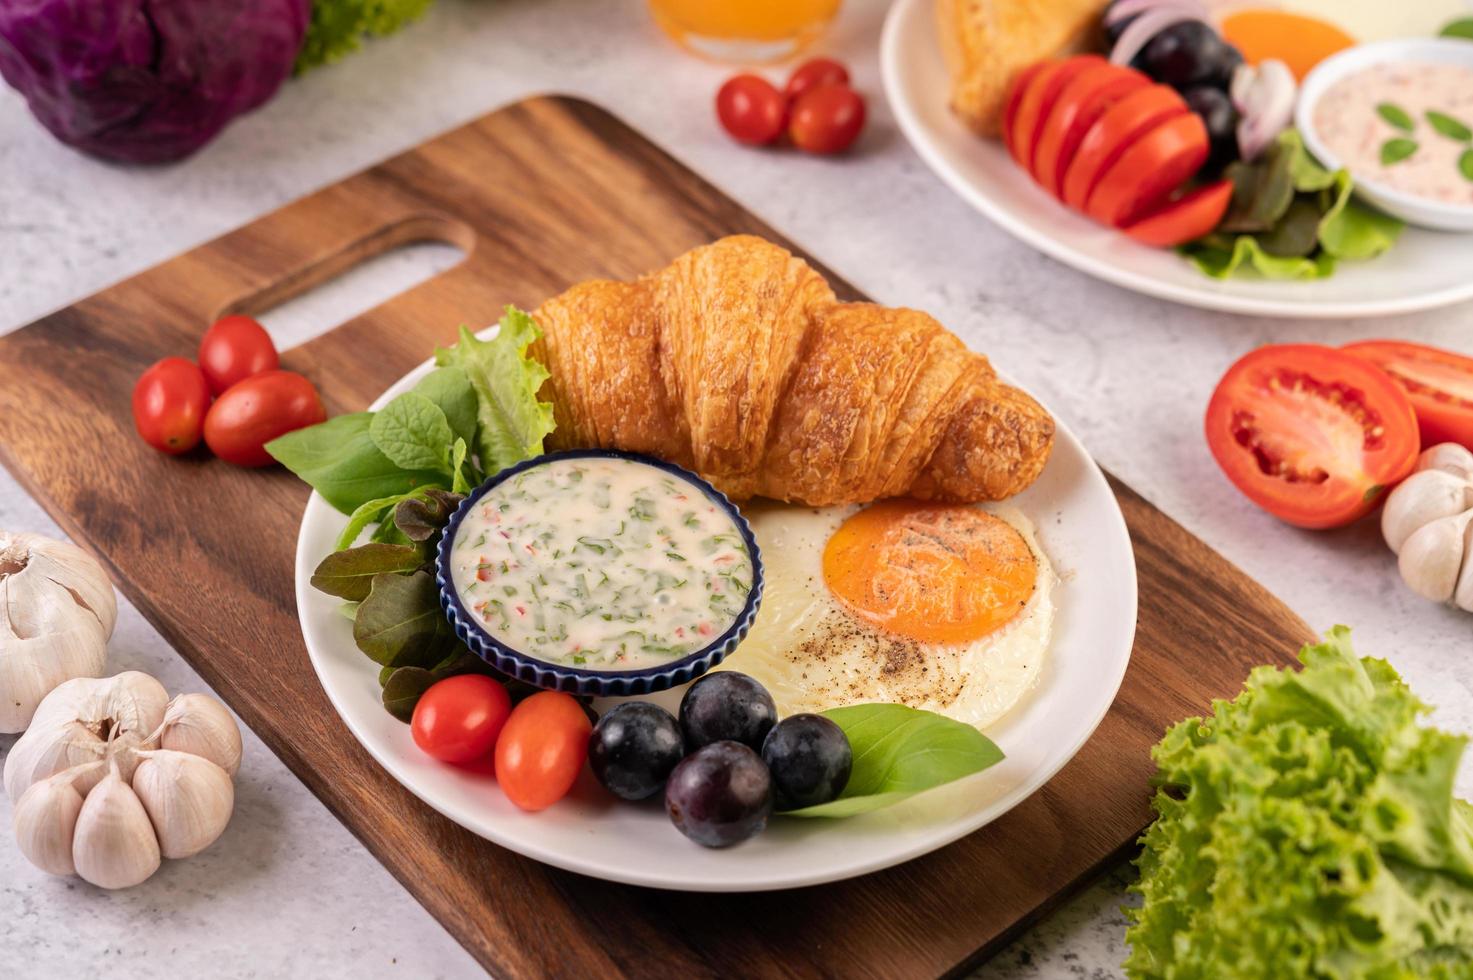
x=813, y=73
x=1184, y=220
x=458, y=719
x=1083, y=100
x=233, y=349
x=1113, y=133
x=1149, y=170
x=1017, y=88
x=1439, y=383
x=1311, y=434
x=169, y=405
x=253, y=412
x=827, y=119
x=1037, y=102
x=542, y=749
x=751, y=109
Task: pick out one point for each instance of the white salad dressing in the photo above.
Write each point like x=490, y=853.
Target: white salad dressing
x=601, y=563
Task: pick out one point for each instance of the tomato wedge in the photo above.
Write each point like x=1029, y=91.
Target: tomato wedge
x=1111, y=134
x=1184, y=220
x=1149, y=171
x=1038, y=99
x=1084, y=100
x=1439, y=383
x=1311, y=434
x=1015, y=95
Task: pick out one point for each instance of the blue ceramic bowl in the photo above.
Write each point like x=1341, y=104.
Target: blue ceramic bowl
x=578, y=680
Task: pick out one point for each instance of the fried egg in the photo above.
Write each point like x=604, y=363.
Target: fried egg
x=937, y=606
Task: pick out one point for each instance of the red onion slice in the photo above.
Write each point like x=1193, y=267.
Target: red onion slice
x=1264, y=97
x=1138, y=33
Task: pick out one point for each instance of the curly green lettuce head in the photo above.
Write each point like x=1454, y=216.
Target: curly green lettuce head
x=1308, y=828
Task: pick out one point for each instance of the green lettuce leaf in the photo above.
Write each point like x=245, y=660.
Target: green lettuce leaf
x=1307, y=828
x=511, y=421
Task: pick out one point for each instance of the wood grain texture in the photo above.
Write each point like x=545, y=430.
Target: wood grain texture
x=543, y=194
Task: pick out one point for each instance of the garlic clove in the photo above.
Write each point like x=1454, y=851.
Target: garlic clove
x=50, y=582
x=32, y=667
x=199, y=724
x=1420, y=499
x=188, y=798
x=114, y=845
x=1449, y=457
x=45, y=751
x=1463, y=591
x=46, y=822
x=1431, y=557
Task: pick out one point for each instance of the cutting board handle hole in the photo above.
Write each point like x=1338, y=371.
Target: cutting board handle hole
x=356, y=277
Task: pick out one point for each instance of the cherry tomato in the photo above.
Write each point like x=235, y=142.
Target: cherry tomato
x=1186, y=219
x=1121, y=125
x=1439, y=383
x=1085, y=99
x=751, y=109
x=1149, y=170
x=827, y=119
x=233, y=349
x=253, y=412
x=542, y=749
x=1016, y=89
x=813, y=73
x=1038, y=100
x=1311, y=434
x=169, y=405
x=458, y=719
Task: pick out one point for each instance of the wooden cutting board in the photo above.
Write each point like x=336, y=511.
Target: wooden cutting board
x=543, y=194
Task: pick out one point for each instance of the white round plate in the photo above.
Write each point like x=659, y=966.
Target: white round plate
x=1082, y=531
x=1425, y=269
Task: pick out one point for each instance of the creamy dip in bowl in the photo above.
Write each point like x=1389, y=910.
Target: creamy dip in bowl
x=599, y=572
x=1399, y=116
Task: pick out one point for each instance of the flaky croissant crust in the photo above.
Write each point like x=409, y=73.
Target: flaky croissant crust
x=738, y=362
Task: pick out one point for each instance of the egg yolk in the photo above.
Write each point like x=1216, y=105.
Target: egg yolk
x=937, y=573
x=1298, y=41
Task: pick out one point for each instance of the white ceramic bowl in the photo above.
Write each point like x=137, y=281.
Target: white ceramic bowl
x=1410, y=208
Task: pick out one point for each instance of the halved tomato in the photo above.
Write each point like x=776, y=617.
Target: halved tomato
x=1016, y=89
x=1185, y=219
x=1125, y=122
x=1439, y=383
x=1311, y=434
x=1038, y=99
x=1149, y=171
x=1084, y=100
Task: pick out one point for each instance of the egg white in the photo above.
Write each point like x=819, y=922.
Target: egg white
x=812, y=654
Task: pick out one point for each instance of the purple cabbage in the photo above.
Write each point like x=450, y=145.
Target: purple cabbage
x=147, y=81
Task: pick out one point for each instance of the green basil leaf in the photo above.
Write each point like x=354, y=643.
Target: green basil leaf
x=403, y=688
x=1465, y=164
x=901, y=751
x=1397, y=150
x=401, y=624
x=413, y=432
x=1396, y=116
x=421, y=518
x=1462, y=27
x=349, y=574
x=450, y=389
x=1453, y=129
x=339, y=459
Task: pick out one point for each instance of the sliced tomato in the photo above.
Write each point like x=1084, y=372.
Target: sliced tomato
x=1439, y=383
x=1184, y=219
x=1084, y=100
x=1311, y=434
x=1038, y=99
x=1015, y=95
x=1149, y=171
x=1121, y=125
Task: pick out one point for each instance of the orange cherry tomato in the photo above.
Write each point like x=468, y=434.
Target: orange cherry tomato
x=1038, y=100
x=1439, y=383
x=1016, y=88
x=1149, y=170
x=169, y=405
x=751, y=109
x=1121, y=125
x=1186, y=219
x=459, y=719
x=1313, y=435
x=827, y=119
x=253, y=412
x=233, y=349
x=542, y=749
x=813, y=73
x=1084, y=100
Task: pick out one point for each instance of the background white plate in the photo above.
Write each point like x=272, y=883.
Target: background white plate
x=1424, y=270
x=1081, y=529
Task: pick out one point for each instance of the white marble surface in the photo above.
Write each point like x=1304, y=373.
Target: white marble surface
x=287, y=891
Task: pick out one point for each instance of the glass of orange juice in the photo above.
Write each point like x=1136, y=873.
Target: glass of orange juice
x=744, y=30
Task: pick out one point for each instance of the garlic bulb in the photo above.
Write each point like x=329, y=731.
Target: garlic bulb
x=57, y=611
x=112, y=777
x=1428, y=523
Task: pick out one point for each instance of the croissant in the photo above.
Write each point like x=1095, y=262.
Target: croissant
x=738, y=362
